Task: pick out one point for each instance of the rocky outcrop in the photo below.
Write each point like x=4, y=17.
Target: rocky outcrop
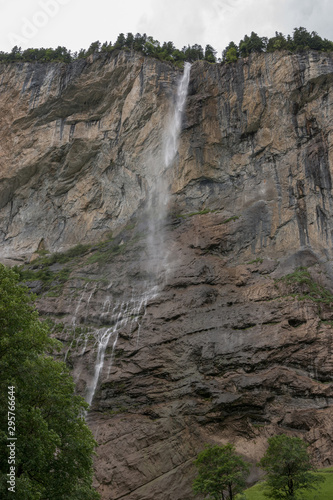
x=77, y=145
x=223, y=347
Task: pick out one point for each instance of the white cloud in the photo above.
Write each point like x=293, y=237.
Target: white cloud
x=181, y=22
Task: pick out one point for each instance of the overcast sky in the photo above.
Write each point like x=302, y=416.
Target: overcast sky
x=77, y=23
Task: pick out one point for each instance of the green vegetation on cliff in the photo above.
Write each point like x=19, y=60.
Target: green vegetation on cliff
x=52, y=280
x=301, y=40
x=304, y=287
x=40, y=415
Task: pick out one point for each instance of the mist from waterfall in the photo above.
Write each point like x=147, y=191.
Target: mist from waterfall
x=128, y=311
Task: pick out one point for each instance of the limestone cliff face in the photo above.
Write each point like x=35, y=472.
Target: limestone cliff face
x=257, y=143
x=77, y=141
x=224, y=348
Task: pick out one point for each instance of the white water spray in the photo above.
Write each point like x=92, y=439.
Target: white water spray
x=159, y=194
x=130, y=311
x=174, y=127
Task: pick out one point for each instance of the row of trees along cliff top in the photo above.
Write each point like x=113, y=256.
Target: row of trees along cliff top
x=300, y=40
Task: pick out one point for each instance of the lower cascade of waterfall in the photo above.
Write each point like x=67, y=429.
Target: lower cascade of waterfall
x=128, y=312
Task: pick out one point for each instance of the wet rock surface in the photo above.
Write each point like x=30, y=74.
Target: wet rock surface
x=221, y=347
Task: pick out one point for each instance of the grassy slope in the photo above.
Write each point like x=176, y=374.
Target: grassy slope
x=324, y=493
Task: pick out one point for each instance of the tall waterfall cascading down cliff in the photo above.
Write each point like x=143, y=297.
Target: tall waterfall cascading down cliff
x=157, y=206
x=159, y=190
x=187, y=271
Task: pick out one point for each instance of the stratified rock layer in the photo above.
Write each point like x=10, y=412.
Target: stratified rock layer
x=222, y=348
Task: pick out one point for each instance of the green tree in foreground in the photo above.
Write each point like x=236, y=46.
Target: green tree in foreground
x=53, y=449
x=287, y=466
x=221, y=472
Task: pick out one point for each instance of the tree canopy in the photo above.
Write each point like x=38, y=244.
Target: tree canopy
x=300, y=40
x=53, y=445
x=221, y=472
x=288, y=468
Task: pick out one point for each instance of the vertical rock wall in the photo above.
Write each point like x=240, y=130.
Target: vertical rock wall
x=77, y=142
x=229, y=349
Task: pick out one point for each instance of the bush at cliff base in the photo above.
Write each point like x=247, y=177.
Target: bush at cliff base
x=288, y=468
x=221, y=472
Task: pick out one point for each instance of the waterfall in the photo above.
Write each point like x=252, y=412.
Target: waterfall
x=174, y=126
x=120, y=315
x=74, y=318
x=131, y=310
x=159, y=193
x=103, y=338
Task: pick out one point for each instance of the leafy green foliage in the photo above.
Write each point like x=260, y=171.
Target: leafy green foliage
x=305, y=287
x=54, y=446
x=230, y=53
x=233, y=218
x=277, y=42
x=287, y=466
x=106, y=253
x=300, y=40
x=63, y=257
x=210, y=54
x=52, y=280
x=257, y=492
x=148, y=46
x=60, y=54
x=252, y=43
x=221, y=472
